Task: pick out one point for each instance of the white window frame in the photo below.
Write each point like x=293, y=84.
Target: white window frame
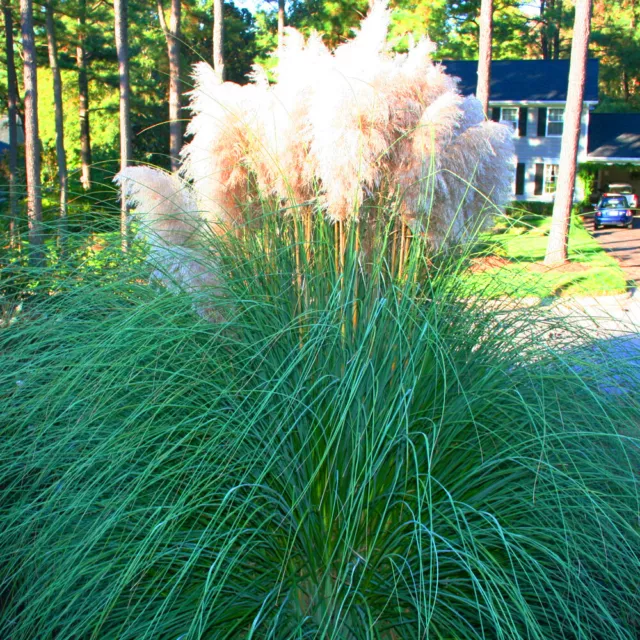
x=550, y=178
x=558, y=113
x=513, y=123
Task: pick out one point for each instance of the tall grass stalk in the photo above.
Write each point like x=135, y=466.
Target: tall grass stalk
x=343, y=454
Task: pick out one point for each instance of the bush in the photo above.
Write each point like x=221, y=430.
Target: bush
x=346, y=455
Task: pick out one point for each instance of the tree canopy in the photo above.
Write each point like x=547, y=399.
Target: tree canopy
x=521, y=30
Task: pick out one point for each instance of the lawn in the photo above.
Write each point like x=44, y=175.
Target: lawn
x=512, y=263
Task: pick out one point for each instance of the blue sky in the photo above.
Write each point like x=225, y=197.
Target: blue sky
x=253, y=5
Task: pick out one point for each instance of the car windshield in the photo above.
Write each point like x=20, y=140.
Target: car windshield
x=621, y=188
x=613, y=203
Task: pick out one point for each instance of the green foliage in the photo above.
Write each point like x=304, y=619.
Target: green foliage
x=240, y=47
x=587, y=178
x=459, y=31
x=616, y=41
x=333, y=19
x=451, y=25
x=417, y=19
x=149, y=74
x=344, y=456
x=252, y=38
x=520, y=244
x=105, y=132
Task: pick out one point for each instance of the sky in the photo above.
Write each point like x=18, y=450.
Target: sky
x=253, y=5
x=529, y=7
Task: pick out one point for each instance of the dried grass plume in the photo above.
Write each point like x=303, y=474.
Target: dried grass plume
x=336, y=131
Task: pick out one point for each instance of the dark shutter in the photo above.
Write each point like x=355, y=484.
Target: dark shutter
x=542, y=122
x=522, y=122
x=520, y=179
x=539, y=183
x=495, y=114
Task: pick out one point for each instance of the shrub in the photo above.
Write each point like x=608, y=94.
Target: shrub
x=348, y=455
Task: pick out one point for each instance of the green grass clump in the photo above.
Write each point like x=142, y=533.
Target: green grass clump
x=520, y=246
x=345, y=456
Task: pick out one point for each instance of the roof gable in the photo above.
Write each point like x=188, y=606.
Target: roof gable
x=524, y=80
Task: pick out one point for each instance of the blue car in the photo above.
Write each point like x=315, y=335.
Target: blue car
x=613, y=210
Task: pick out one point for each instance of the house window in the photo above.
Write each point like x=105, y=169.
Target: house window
x=550, y=177
x=555, y=121
x=509, y=116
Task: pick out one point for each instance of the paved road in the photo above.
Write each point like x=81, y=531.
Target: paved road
x=624, y=244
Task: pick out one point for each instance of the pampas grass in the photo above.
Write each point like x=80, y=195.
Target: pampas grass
x=355, y=449
x=427, y=468
x=350, y=135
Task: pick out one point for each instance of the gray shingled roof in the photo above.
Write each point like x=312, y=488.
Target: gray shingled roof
x=532, y=80
x=614, y=135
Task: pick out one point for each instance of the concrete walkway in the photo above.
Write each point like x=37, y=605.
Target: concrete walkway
x=605, y=316
x=614, y=320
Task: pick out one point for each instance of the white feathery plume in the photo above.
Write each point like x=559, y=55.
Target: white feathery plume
x=345, y=123
x=167, y=209
x=165, y=204
x=335, y=130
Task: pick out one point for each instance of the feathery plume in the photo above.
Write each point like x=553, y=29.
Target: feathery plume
x=335, y=132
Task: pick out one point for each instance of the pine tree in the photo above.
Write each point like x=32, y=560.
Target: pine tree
x=172, y=36
x=557, y=249
x=31, y=138
x=83, y=88
x=218, y=38
x=61, y=156
x=120, y=9
x=12, y=100
x=280, y=23
x=484, y=56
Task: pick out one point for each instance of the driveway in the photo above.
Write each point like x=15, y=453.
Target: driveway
x=623, y=244
x=614, y=321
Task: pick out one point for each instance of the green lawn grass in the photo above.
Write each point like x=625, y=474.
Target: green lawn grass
x=512, y=263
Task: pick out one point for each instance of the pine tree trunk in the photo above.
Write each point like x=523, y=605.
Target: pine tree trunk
x=31, y=138
x=558, y=27
x=172, y=35
x=280, y=23
x=625, y=86
x=120, y=10
x=12, y=104
x=218, y=38
x=61, y=156
x=83, y=89
x=557, y=249
x=544, y=30
x=484, y=54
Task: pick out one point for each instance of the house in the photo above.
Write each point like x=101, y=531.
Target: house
x=530, y=96
x=4, y=134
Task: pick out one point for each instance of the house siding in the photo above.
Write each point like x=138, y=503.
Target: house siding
x=533, y=149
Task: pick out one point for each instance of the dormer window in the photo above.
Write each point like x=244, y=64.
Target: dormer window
x=555, y=122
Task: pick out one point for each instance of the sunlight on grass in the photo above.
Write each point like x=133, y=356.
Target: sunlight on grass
x=515, y=250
